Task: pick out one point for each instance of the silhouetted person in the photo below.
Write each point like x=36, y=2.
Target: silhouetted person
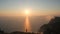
x=26, y=30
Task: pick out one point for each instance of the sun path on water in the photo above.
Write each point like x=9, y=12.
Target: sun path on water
x=27, y=25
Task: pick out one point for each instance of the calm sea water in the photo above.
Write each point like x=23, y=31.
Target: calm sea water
x=16, y=23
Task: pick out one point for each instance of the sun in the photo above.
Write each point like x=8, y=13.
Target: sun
x=27, y=12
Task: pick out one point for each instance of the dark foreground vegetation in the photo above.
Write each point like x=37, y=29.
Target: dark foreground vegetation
x=53, y=27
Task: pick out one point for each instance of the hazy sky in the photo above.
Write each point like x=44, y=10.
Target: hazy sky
x=37, y=7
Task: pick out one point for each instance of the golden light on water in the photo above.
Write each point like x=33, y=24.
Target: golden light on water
x=27, y=25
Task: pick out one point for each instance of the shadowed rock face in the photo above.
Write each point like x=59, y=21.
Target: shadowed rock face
x=53, y=27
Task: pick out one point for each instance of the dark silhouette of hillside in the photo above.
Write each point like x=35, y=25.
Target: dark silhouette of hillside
x=18, y=32
x=53, y=27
